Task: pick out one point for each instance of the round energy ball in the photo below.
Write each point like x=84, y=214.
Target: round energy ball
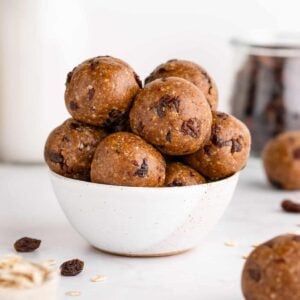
x=190, y=71
x=171, y=114
x=281, y=157
x=272, y=270
x=125, y=159
x=100, y=91
x=70, y=148
x=227, y=150
x=178, y=174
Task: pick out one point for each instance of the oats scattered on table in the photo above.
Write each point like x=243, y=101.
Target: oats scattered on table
x=50, y=262
x=231, y=244
x=98, y=278
x=73, y=293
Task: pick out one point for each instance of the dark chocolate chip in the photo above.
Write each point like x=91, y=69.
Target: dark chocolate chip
x=142, y=171
x=254, y=274
x=73, y=105
x=27, y=244
x=55, y=157
x=296, y=153
x=290, y=206
x=167, y=102
x=138, y=80
x=191, y=127
x=168, y=136
x=91, y=93
x=175, y=182
x=71, y=267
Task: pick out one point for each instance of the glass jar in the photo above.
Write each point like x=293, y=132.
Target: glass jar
x=266, y=90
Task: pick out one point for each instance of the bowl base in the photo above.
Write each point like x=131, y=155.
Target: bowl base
x=130, y=254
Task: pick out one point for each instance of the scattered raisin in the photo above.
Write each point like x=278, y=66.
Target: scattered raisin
x=168, y=136
x=91, y=93
x=143, y=169
x=191, y=127
x=236, y=145
x=138, y=80
x=222, y=115
x=290, y=206
x=167, y=102
x=71, y=267
x=27, y=244
x=55, y=157
x=255, y=274
x=296, y=153
x=69, y=77
x=74, y=105
x=208, y=150
x=175, y=182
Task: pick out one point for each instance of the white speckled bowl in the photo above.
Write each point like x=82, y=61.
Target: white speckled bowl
x=136, y=221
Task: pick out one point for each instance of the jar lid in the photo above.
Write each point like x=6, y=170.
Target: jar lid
x=266, y=42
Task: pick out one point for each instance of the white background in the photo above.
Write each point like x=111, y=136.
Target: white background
x=42, y=40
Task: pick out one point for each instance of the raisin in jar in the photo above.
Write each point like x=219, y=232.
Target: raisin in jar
x=266, y=90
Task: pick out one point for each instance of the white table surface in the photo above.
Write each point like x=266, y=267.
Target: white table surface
x=212, y=271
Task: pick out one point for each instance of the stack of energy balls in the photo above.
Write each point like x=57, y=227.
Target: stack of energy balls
x=167, y=133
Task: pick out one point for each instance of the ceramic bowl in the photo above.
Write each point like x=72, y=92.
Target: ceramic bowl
x=138, y=221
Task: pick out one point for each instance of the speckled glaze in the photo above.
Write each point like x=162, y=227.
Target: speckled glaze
x=190, y=71
x=137, y=221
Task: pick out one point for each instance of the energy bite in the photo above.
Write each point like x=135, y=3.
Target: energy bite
x=227, y=150
x=281, y=157
x=125, y=159
x=100, y=90
x=178, y=174
x=70, y=148
x=190, y=71
x=272, y=270
x=173, y=115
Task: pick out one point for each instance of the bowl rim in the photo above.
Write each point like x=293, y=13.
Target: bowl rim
x=132, y=188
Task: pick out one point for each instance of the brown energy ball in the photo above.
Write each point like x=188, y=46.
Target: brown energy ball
x=100, y=90
x=227, y=150
x=123, y=158
x=281, y=157
x=190, y=71
x=178, y=174
x=272, y=271
x=173, y=115
x=70, y=148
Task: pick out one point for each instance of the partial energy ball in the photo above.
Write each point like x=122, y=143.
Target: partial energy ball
x=173, y=115
x=272, y=270
x=125, y=159
x=100, y=91
x=190, y=71
x=70, y=148
x=281, y=157
x=178, y=174
x=227, y=150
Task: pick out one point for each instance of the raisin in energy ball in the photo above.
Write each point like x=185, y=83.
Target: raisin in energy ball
x=173, y=115
x=100, y=90
x=125, y=159
x=281, y=157
x=272, y=271
x=178, y=174
x=191, y=72
x=227, y=150
x=70, y=148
